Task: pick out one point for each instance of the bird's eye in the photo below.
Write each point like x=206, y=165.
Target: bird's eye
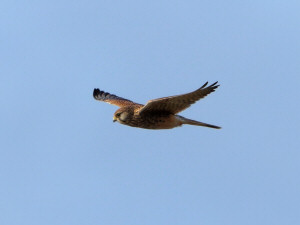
x=118, y=114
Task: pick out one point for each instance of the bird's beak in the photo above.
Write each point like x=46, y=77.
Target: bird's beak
x=114, y=119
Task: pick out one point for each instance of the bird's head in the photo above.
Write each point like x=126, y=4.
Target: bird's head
x=122, y=115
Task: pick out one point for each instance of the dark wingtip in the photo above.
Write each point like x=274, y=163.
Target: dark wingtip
x=204, y=85
x=96, y=92
x=214, y=86
x=99, y=95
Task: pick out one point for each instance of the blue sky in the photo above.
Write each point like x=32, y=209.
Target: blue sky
x=62, y=159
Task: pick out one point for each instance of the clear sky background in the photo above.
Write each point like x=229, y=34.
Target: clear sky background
x=63, y=160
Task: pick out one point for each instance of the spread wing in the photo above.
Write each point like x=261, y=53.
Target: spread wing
x=178, y=103
x=111, y=99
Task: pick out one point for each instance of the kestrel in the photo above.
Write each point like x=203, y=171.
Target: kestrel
x=158, y=113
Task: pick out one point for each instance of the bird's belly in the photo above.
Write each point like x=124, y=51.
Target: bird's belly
x=155, y=122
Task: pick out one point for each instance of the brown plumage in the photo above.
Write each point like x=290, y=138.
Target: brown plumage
x=158, y=113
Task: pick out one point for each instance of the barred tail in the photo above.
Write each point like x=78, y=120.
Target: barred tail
x=196, y=123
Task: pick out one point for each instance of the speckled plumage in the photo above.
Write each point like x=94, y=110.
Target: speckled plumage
x=158, y=113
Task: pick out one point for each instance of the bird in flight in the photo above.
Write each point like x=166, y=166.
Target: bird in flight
x=161, y=113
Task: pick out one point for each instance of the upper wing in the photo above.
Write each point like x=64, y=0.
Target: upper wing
x=175, y=104
x=111, y=99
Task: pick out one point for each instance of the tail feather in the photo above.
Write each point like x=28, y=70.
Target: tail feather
x=196, y=123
